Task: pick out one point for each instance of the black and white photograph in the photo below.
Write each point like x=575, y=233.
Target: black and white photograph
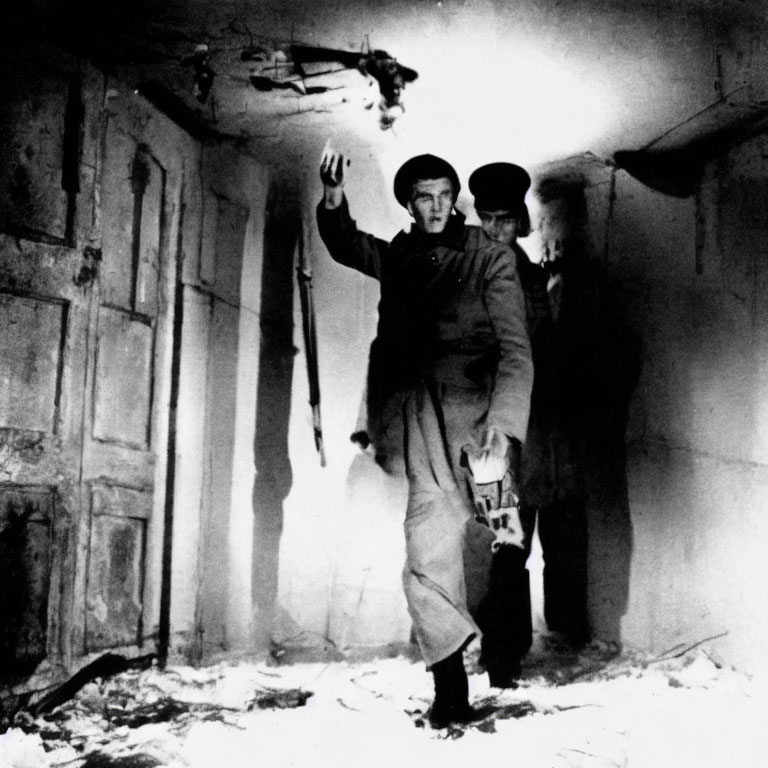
x=384, y=384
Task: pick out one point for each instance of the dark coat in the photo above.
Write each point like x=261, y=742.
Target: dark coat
x=451, y=310
x=552, y=463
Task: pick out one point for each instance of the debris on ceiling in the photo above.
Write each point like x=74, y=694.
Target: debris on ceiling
x=276, y=76
x=292, y=66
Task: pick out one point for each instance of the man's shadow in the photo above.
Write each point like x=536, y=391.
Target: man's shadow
x=614, y=369
x=600, y=358
x=274, y=476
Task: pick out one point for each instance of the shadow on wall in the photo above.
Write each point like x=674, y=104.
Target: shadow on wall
x=613, y=372
x=274, y=477
x=597, y=369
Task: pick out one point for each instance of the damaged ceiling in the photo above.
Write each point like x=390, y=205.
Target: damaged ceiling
x=538, y=82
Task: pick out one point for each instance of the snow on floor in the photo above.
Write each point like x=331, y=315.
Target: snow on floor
x=569, y=712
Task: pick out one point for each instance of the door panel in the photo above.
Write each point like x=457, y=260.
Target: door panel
x=132, y=191
x=32, y=334
x=114, y=600
x=26, y=528
x=40, y=116
x=122, y=404
x=128, y=386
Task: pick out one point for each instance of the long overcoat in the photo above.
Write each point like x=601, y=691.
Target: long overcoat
x=452, y=350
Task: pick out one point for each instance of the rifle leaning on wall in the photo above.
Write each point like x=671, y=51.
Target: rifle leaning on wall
x=304, y=276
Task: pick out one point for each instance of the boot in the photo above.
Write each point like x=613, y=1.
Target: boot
x=451, y=704
x=504, y=674
x=563, y=536
x=505, y=618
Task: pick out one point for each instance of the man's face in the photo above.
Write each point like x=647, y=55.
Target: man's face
x=499, y=226
x=431, y=204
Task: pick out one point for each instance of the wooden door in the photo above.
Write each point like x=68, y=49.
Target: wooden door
x=127, y=387
x=46, y=290
x=90, y=197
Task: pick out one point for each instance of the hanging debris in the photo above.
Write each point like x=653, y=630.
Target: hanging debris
x=391, y=78
x=202, y=74
x=291, y=66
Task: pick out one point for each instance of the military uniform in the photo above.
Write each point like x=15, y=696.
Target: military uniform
x=453, y=349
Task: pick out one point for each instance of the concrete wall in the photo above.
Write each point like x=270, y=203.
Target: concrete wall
x=677, y=473
x=697, y=442
x=692, y=275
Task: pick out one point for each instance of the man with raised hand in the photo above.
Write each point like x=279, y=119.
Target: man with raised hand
x=453, y=349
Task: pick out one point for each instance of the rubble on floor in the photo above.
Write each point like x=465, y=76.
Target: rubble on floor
x=596, y=707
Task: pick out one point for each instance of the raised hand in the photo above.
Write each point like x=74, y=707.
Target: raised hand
x=332, y=175
x=332, y=166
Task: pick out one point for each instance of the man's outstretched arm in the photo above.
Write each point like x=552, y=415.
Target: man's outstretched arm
x=344, y=241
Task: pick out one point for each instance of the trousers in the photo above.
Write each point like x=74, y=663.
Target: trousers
x=504, y=615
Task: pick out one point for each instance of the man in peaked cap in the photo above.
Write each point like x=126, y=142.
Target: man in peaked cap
x=499, y=190
x=453, y=351
x=551, y=484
